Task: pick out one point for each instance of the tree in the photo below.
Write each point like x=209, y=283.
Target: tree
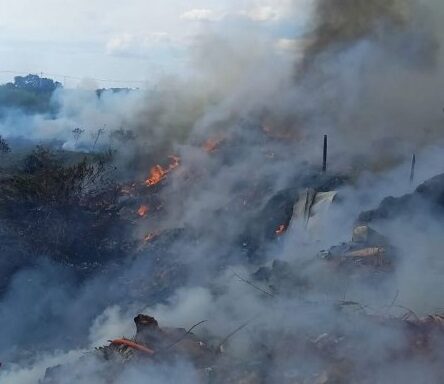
x=4, y=146
x=77, y=132
x=36, y=83
x=31, y=94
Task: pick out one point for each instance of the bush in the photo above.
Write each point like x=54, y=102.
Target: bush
x=63, y=211
x=4, y=146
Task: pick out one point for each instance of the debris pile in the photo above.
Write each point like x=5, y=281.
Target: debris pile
x=367, y=248
x=321, y=345
x=335, y=352
x=370, y=248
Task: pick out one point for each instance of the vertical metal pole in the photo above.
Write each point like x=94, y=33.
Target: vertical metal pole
x=324, y=160
x=412, y=169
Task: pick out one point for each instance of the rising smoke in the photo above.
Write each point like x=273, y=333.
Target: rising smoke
x=366, y=66
x=370, y=78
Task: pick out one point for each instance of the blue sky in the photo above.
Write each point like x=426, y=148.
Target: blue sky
x=131, y=40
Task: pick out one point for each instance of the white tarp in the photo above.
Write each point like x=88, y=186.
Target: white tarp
x=310, y=210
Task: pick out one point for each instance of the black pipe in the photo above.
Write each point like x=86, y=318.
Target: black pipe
x=412, y=170
x=324, y=162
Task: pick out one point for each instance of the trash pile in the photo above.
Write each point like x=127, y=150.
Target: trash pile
x=330, y=355
x=368, y=247
x=341, y=341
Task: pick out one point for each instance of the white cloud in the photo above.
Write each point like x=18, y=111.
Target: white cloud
x=127, y=44
x=119, y=43
x=107, y=38
x=292, y=47
x=201, y=14
x=277, y=10
x=262, y=13
x=287, y=44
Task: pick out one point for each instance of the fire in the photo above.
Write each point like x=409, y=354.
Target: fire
x=158, y=173
x=211, y=144
x=281, y=230
x=143, y=210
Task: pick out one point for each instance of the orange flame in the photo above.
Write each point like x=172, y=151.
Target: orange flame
x=158, y=173
x=143, y=210
x=281, y=230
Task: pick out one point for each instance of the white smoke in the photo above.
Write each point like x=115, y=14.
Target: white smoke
x=364, y=92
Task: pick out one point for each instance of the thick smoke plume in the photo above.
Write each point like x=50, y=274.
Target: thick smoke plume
x=339, y=24
x=370, y=72
x=370, y=78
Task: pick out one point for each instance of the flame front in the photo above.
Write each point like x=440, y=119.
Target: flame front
x=158, y=173
x=143, y=210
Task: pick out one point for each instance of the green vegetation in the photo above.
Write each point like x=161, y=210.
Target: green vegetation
x=28, y=94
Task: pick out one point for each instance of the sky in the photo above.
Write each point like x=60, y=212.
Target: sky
x=133, y=42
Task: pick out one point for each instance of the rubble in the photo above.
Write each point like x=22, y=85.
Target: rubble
x=366, y=248
x=370, y=248
x=153, y=344
x=329, y=349
x=429, y=197
x=281, y=278
x=332, y=349
x=280, y=212
x=359, y=253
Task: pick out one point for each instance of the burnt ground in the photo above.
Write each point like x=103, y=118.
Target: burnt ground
x=77, y=217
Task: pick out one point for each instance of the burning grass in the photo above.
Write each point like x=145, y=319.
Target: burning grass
x=159, y=173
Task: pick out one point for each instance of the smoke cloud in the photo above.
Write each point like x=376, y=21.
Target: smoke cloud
x=370, y=77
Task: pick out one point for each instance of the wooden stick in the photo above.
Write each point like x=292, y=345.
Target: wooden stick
x=252, y=285
x=185, y=335
x=231, y=334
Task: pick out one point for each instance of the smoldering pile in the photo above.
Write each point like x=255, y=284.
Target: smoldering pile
x=330, y=340
x=218, y=210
